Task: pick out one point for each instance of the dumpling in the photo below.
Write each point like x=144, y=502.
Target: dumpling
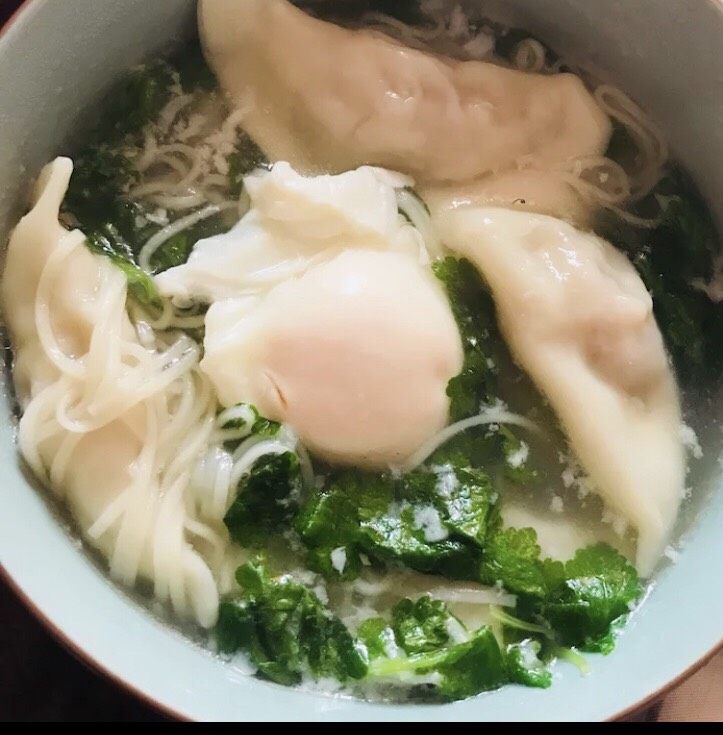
x=542, y=192
x=579, y=320
x=294, y=222
x=38, y=241
x=329, y=99
x=358, y=372
x=65, y=310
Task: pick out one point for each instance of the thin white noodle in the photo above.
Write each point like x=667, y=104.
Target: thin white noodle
x=473, y=595
x=181, y=224
x=415, y=211
x=242, y=466
x=489, y=416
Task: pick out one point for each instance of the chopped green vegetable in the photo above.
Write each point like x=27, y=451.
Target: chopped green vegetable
x=177, y=249
x=98, y=200
x=246, y=157
x=430, y=520
x=421, y=626
x=582, y=601
x=135, y=101
x=462, y=670
x=599, y=587
x=474, y=313
x=524, y=665
x=286, y=631
x=250, y=422
x=476, y=384
x=516, y=453
x=671, y=259
x=193, y=71
x=110, y=243
x=378, y=637
x=512, y=559
x=266, y=501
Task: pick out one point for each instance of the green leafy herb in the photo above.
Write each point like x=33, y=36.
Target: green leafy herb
x=421, y=626
x=176, y=250
x=246, y=157
x=378, y=637
x=135, y=101
x=512, y=558
x=429, y=520
x=473, y=311
x=286, y=631
x=476, y=384
x=671, y=259
x=193, y=71
x=599, y=588
x=266, y=501
x=108, y=242
x=247, y=421
x=581, y=601
x=463, y=670
x=98, y=200
x=524, y=665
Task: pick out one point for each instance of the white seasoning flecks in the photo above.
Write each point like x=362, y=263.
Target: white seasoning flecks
x=519, y=456
x=618, y=523
x=427, y=520
x=568, y=477
x=690, y=441
x=338, y=559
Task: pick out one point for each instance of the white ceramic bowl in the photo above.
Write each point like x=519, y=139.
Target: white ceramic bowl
x=55, y=60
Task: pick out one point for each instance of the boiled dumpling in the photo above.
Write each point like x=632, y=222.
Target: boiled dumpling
x=330, y=99
x=359, y=371
x=294, y=222
x=66, y=312
x=542, y=192
x=579, y=320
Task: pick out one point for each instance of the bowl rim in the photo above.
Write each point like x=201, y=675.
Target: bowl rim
x=124, y=684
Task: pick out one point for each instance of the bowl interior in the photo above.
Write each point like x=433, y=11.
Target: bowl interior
x=55, y=60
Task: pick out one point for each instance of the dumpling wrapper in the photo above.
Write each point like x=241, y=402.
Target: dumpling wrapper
x=330, y=99
x=579, y=320
x=294, y=222
x=76, y=297
x=99, y=465
x=355, y=356
x=541, y=192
